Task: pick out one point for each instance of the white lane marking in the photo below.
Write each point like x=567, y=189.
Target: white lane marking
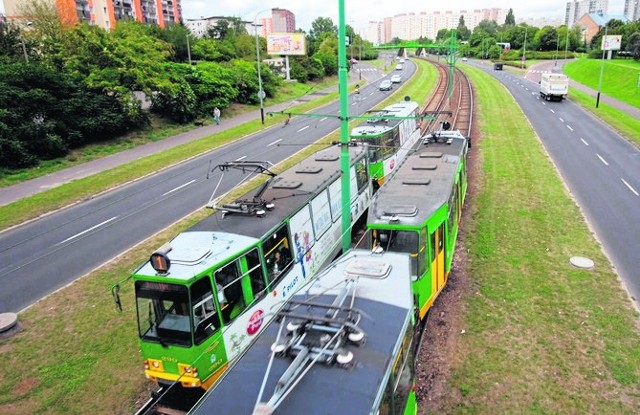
x=569, y=127
x=372, y=93
x=585, y=143
x=241, y=158
x=302, y=129
x=526, y=88
x=629, y=186
x=179, y=187
x=322, y=119
x=87, y=230
x=561, y=119
x=602, y=160
x=552, y=111
x=544, y=103
x=276, y=142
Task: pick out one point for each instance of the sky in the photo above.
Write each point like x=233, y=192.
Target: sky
x=359, y=12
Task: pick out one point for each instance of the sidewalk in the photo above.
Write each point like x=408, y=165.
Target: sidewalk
x=18, y=191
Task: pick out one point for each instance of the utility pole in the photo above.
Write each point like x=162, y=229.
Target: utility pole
x=601, y=67
x=345, y=165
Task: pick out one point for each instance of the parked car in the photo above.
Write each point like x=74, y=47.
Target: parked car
x=385, y=85
x=396, y=79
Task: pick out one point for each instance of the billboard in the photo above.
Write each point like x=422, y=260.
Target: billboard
x=611, y=42
x=286, y=44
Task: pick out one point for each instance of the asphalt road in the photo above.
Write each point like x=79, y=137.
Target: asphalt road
x=53, y=251
x=600, y=168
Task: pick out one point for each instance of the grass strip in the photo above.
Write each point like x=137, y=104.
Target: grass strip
x=541, y=336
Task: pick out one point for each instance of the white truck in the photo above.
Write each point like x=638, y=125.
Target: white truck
x=554, y=86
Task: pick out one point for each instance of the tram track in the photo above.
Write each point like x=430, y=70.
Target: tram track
x=455, y=108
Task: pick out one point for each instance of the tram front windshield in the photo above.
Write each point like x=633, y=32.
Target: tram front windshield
x=163, y=313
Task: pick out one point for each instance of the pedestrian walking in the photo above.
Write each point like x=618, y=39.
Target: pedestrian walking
x=216, y=115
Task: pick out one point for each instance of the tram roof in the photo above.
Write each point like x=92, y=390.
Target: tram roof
x=288, y=191
x=421, y=185
x=375, y=126
x=386, y=304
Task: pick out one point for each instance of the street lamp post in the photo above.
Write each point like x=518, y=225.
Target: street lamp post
x=524, y=49
x=188, y=49
x=261, y=94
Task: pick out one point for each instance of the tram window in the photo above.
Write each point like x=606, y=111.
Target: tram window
x=432, y=247
x=205, y=317
x=453, y=210
x=403, y=374
x=258, y=285
x=163, y=312
x=228, y=284
x=362, y=177
x=277, y=255
x=423, y=250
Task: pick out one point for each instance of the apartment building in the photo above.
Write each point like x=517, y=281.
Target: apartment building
x=632, y=9
x=283, y=21
x=576, y=9
x=410, y=26
x=106, y=13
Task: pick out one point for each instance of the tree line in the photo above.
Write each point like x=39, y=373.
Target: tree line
x=547, y=42
x=62, y=87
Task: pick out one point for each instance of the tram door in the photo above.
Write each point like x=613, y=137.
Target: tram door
x=437, y=265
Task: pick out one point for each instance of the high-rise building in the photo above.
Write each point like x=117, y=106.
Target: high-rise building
x=576, y=9
x=283, y=21
x=411, y=26
x=106, y=13
x=632, y=9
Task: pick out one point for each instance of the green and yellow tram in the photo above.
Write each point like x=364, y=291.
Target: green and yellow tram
x=202, y=298
x=391, y=134
x=418, y=212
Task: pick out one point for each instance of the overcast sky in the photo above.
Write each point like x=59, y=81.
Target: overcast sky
x=359, y=12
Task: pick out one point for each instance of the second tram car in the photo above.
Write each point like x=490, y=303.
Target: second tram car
x=391, y=134
x=344, y=346
x=202, y=298
x=419, y=210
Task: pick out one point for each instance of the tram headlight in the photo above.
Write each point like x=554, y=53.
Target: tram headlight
x=188, y=370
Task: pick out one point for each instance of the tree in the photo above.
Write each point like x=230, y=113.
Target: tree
x=545, y=39
x=510, y=19
x=463, y=31
x=320, y=26
x=633, y=45
x=488, y=26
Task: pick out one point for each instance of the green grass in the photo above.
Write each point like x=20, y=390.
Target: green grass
x=542, y=337
x=619, y=77
x=77, y=355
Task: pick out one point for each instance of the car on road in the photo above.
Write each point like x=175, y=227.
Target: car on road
x=396, y=79
x=399, y=67
x=354, y=61
x=385, y=85
x=464, y=59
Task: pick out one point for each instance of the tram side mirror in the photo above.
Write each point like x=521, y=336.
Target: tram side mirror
x=115, y=291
